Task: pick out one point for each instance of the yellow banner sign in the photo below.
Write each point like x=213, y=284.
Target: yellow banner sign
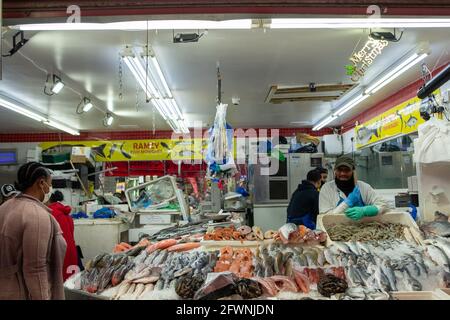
x=402, y=119
x=135, y=150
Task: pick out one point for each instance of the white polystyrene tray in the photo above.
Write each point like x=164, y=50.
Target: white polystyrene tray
x=420, y=295
x=235, y=243
x=404, y=218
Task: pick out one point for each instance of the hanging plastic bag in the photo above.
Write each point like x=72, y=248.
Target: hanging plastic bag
x=433, y=144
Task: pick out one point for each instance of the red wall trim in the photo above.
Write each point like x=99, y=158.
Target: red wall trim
x=49, y=9
x=126, y=135
x=400, y=96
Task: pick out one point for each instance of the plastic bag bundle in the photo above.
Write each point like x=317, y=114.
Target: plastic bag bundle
x=433, y=144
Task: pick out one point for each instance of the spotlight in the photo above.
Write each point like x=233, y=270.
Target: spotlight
x=87, y=105
x=108, y=120
x=58, y=85
x=55, y=85
x=17, y=44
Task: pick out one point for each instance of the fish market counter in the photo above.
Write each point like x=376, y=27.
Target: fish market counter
x=377, y=258
x=99, y=235
x=270, y=215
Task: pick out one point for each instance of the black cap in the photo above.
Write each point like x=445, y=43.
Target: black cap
x=8, y=190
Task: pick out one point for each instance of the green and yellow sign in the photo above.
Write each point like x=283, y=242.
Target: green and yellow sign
x=400, y=120
x=135, y=150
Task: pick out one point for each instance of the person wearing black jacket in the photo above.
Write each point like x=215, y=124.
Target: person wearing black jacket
x=304, y=205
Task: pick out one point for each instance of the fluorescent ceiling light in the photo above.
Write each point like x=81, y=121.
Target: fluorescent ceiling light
x=350, y=105
x=324, y=122
x=396, y=72
x=61, y=127
x=319, y=23
x=139, y=25
x=156, y=88
x=23, y=111
x=13, y=106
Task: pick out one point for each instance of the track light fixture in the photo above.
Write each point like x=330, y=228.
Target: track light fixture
x=108, y=120
x=55, y=84
x=84, y=106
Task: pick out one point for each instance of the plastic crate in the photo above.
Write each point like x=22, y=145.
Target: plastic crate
x=404, y=218
x=55, y=158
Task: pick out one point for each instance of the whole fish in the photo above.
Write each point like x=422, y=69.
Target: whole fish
x=341, y=246
x=442, y=244
x=387, y=270
x=410, y=282
x=436, y=228
x=122, y=290
x=437, y=255
x=353, y=276
x=329, y=257
x=363, y=247
x=278, y=264
x=353, y=247
x=381, y=279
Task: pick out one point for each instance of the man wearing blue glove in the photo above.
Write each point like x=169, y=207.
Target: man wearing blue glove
x=345, y=194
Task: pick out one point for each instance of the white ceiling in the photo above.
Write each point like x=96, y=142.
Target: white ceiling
x=250, y=62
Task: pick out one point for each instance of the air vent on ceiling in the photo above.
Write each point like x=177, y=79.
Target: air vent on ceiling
x=311, y=92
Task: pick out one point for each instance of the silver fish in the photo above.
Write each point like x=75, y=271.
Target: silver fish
x=363, y=247
x=353, y=276
x=387, y=270
x=437, y=255
x=330, y=258
x=342, y=247
x=410, y=282
x=437, y=228
x=442, y=244
x=353, y=247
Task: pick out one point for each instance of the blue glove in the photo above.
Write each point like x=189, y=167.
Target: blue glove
x=354, y=198
x=357, y=213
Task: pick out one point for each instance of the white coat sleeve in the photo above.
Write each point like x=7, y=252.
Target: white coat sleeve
x=326, y=200
x=372, y=199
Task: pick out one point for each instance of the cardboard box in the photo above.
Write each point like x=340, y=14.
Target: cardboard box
x=80, y=154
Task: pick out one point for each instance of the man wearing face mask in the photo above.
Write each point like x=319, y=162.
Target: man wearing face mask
x=345, y=194
x=31, y=240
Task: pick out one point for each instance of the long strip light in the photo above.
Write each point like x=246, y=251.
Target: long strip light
x=278, y=23
x=323, y=23
x=139, y=25
x=324, y=122
x=350, y=105
x=396, y=72
x=61, y=127
x=156, y=88
x=383, y=80
x=6, y=103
